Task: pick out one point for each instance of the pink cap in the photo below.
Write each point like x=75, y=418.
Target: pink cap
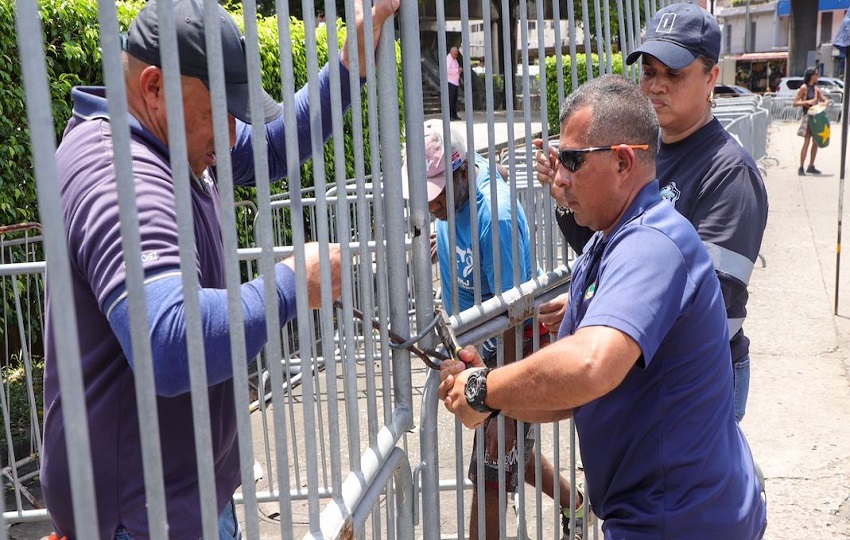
x=435, y=159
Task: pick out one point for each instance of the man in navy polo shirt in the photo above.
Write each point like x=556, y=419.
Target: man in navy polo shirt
x=642, y=362
x=88, y=186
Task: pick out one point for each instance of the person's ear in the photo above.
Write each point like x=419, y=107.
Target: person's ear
x=713, y=75
x=626, y=159
x=152, y=86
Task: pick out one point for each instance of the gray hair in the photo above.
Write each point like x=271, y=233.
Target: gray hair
x=620, y=114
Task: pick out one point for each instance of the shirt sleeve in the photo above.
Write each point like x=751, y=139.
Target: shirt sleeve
x=243, y=152
x=730, y=215
x=168, y=328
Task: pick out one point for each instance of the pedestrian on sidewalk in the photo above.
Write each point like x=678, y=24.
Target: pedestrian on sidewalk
x=453, y=71
x=702, y=170
x=642, y=361
x=808, y=95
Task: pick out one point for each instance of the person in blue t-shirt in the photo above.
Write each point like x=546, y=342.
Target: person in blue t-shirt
x=702, y=170
x=642, y=361
x=437, y=158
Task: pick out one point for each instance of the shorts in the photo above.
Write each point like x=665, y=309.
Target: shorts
x=491, y=426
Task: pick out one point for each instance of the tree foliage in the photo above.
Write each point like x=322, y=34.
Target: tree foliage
x=552, y=99
x=73, y=58
x=615, y=19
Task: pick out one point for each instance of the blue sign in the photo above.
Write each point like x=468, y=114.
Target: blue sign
x=783, y=8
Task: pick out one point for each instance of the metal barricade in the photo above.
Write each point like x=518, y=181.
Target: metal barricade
x=22, y=290
x=340, y=432
x=747, y=119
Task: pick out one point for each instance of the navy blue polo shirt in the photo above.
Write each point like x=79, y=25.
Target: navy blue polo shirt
x=663, y=454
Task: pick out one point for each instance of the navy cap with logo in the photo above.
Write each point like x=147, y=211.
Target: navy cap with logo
x=679, y=34
x=143, y=43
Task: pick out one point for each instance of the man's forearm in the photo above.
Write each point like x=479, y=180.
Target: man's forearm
x=565, y=374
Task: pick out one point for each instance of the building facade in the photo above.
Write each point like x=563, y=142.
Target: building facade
x=755, y=41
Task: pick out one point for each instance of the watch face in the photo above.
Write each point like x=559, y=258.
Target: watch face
x=473, y=387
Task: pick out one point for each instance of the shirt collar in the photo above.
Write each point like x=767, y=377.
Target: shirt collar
x=648, y=196
x=90, y=103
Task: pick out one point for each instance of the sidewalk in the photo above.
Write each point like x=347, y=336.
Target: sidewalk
x=798, y=414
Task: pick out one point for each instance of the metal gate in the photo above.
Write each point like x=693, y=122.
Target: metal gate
x=340, y=431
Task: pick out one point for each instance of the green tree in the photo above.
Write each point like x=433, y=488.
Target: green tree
x=72, y=51
x=553, y=104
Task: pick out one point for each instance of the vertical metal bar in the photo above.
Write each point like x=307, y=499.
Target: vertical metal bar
x=364, y=220
x=624, y=48
x=585, y=18
x=628, y=24
x=637, y=25
x=531, y=189
x=309, y=371
x=574, y=68
x=26, y=359
x=559, y=48
x=381, y=259
x=188, y=270
x=442, y=49
x=327, y=312
x=39, y=116
x=600, y=52
x=273, y=348
x=394, y=211
x=421, y=259
x=224, y=177
x=608, y=46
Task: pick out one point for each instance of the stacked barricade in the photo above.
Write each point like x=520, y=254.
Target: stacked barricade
x=781, y=106
x=747, y=120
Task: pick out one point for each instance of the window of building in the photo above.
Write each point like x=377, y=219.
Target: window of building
x=751, y=46
x=826, y=27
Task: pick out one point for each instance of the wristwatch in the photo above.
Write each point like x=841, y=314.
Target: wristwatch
x=476, y=390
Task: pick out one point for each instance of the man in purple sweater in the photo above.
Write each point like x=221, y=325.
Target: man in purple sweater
x=88, y=184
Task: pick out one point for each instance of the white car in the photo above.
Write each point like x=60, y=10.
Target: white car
x=790, y=85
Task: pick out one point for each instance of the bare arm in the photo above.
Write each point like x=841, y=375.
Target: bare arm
x=800, y=98
x=381, y=11
x=553, y=381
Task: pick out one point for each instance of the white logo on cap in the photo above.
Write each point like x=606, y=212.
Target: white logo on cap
x=665, y=25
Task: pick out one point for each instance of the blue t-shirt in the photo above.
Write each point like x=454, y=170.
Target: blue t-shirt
x=663, y=454
x=89, y=197
x=464, y=243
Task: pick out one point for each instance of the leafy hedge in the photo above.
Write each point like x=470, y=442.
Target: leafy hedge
x=554, y=107
x=73, y=58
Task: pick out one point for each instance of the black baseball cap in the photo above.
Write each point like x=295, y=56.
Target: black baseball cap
x=143, y=43
x=679, y=34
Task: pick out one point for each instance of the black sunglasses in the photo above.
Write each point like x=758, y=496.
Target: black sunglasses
x=574, y=159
